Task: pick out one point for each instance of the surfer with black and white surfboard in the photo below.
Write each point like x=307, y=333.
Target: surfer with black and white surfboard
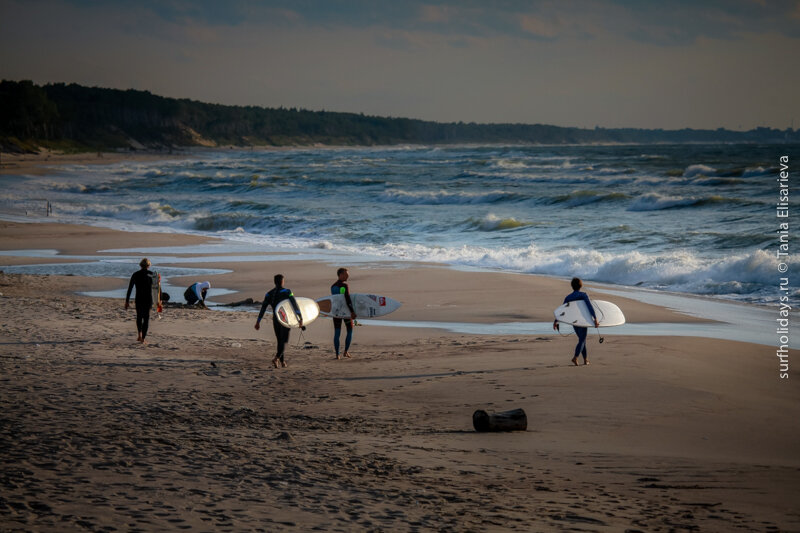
x=581, y=332
x=274, y=297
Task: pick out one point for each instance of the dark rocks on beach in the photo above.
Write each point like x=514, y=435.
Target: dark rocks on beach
x=176, y=305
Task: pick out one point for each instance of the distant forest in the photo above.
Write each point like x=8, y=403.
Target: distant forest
x=77, y=118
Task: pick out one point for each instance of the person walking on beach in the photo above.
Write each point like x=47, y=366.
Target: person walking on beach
x=340, y=287
x=143, y=280
x=274, y=297
x=581, y=332
x=197, y=293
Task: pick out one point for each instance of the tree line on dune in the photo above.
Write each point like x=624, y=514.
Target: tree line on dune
x=72, y=117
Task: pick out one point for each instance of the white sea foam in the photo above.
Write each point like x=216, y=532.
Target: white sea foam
x=681, y=271
x=754, y=171
x=658, y=202
x=698, y=170
x=511, y=164
x=64, y=186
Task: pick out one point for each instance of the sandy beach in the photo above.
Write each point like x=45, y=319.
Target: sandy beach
x=197, y=431
x=38, y=163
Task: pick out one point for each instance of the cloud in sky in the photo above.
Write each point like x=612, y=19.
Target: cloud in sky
x=616, y=63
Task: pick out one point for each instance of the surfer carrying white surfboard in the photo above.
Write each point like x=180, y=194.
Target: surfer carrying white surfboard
x=274, y=297
x=581, y=332
x=143, y=280
x=340, y=287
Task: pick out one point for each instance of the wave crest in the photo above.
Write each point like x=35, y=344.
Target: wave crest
x=585, y=197
x=494, y=223
x=750, y=275
x=693, y=171
x=658, y=202
x=446, y=198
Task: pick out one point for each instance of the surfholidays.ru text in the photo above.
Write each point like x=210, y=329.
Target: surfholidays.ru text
x=782, y=213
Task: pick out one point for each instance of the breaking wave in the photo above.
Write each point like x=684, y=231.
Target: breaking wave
x=494, y=223
x=748, y=275
x=658, y=202
x=446, y=197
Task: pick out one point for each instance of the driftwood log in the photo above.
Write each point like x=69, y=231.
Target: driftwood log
x=514, y=420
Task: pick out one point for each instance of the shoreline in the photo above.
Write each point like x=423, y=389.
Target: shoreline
x=434, y=294
x=196, y=429
x=432, y=283
x=37, y=164
x=437, y=299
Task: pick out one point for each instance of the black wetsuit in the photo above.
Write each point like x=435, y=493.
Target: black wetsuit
x=581, y=332
x=340, y=287
x=274, y=298
x=143, y=281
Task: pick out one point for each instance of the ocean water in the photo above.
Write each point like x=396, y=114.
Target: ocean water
x=699, y=219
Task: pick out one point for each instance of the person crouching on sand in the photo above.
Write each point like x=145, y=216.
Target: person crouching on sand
x=197, y=292
x=274, y=297
x=581, y=332
x=142, y=279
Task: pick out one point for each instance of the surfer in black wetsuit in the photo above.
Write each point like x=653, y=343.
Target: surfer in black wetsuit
x=341, y=287
x=273, y=298
x=142, y=279
x=581, y=332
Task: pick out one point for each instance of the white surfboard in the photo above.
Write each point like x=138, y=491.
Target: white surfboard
x=287, y=317
x=365, y=305
x=577, y=314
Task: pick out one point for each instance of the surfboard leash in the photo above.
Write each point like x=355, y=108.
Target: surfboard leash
x=602, y=316
x=300, y=339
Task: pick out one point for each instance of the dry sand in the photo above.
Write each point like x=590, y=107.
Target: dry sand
x=197, y=431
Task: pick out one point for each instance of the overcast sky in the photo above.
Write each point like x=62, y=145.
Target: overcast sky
x=613, y=63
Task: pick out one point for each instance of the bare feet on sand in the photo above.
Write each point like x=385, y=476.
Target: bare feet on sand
x=585, y=362
x=347, y=354
x=283, y=364
x=275, y=362
x=575, y=361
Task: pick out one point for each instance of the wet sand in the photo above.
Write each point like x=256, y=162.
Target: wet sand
x=197, y=431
